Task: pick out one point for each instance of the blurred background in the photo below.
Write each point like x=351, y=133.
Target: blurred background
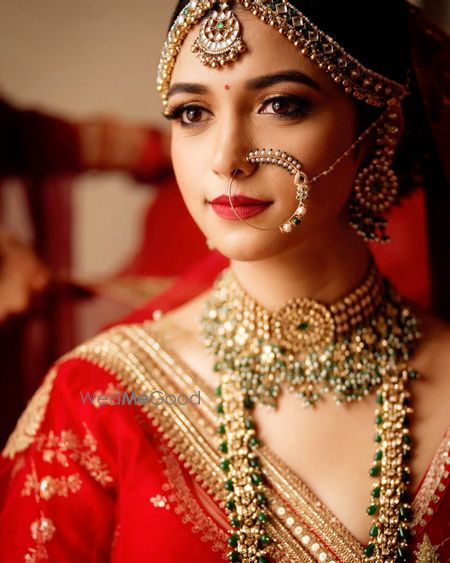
x=87, y=199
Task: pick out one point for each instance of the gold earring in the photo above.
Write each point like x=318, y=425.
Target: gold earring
x=376, y=185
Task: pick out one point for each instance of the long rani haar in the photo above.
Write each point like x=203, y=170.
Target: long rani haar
x=360, y=344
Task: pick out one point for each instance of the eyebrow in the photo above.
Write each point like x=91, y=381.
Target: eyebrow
x=258, y=83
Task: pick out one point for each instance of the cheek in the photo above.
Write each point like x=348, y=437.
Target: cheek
x=189, y=169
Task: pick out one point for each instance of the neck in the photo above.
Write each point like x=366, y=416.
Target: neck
x=325, y=267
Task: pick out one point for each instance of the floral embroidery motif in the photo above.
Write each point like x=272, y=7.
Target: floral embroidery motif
x=426, y=552
x=31, y=418
x=49, y=486
x=67, y=445
x=160, y=501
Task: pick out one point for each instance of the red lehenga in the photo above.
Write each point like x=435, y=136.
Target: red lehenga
x=85, y=481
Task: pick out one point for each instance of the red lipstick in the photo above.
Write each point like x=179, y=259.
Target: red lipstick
x=245, y=207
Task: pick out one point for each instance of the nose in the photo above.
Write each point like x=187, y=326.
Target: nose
x=231, y=146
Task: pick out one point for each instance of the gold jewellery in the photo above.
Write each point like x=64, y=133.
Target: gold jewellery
x=219, y=42
x=359, y=344
x=292, y=166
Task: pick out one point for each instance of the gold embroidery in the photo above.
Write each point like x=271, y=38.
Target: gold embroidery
x=18, y=465
x=67, y=446
x=49, y=486
x=426, y=552
x=42, y=529
x=187, y=505
x=30, y=420
x=430, y=491
x=160, y=501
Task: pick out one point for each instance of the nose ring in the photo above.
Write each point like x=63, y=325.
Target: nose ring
x=287, y=162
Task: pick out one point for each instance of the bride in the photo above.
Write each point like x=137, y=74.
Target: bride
x=297, y=410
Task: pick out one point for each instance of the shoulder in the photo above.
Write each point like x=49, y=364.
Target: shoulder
x=68, y=396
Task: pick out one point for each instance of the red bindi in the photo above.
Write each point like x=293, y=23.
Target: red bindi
x=227, y=86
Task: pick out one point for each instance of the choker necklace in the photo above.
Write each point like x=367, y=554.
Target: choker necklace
x=359, y=344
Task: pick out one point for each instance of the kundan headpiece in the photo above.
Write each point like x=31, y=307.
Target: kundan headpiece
x=220, y=42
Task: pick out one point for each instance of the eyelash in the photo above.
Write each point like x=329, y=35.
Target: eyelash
x=303, y=108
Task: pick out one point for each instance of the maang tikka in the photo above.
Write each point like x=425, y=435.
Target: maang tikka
x=219, y=40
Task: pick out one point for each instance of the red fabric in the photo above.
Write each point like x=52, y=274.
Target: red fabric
x=87, y=521
x=115, y=453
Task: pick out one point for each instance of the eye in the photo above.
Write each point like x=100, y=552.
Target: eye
x=287, y=106
x=188, y=114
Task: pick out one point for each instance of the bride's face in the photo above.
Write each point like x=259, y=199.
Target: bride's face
x=271, y=97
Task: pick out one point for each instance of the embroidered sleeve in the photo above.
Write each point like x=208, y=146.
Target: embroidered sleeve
x=57, y=475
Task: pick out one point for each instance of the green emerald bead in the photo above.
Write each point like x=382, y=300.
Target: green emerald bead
x=229, y=485
x=402, y=554
x=406, y=477
x=253, y=462
x=405, y=513
x=254, y=441
x=406, y=439
x=256, y=478
x=303, y=326
x=218, y=391
x=233, y=541
x=376, y=492
x=220, y=408
x=261, y=498
x=373, y=531
x=234, y=556
x=404, y=533
x=220, y=25
x=221, y=429
x=379, y=398
x=224, y=447
x=377, y=438
x=231, y=505
x=248, y=423
x=262, y=516
x=296, y=220
x=405, y=496
x=235, y=522
x=265, y=539
x=412, y=374
x=378, y=419
x=225, y=464
x=378, y=455
x=262, y=559
x=375, y=470
x=372, y=509
x=369, y=549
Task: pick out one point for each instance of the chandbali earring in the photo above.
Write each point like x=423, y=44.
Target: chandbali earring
x=376, y=185
x=292, y=166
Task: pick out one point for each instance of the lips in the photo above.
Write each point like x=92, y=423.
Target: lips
x=245, y=207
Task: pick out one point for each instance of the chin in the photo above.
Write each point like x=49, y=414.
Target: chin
x=244, y=244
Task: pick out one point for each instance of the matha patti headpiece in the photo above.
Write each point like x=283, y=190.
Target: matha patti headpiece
x=219, y=42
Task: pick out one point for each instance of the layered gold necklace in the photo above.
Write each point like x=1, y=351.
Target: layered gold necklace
x=351, y=348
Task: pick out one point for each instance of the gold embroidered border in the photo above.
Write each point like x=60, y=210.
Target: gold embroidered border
x=429, y=491
x=30, y=420
x=132, y=355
